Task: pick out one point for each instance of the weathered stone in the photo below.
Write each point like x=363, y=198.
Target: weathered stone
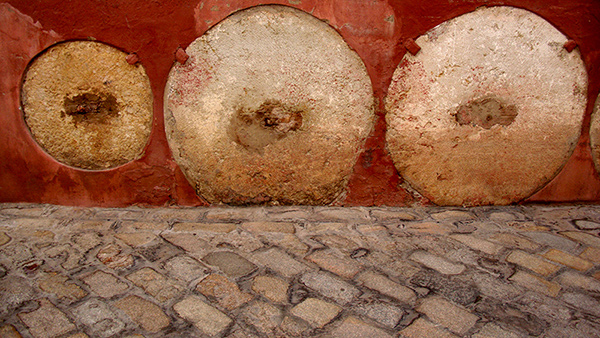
x=113, y=257
x=515, y=241
x=478, y=244
x=14, y=290
x=279, y=262
x=65, y=253
x=583, y=237
x=61, y=287
x=495, y=287
x=337, y=241
x=316, y=312
x=353, y=327
x=137, y=238
x=532, y=262
x=569, y=260
x=583, y=224
x=382, y=313
x=185, y=268
x=341, y=266
x=191, y=242
x=511, y=316
x=97, y=316
x=387, y=287
x=294, y=327
x=289, y=242
x=15, y=254
x=591, y=254
x=86, y=240
x=491, y=330
x=86, y=106
x=387, y=214
x=105, y=284
x=452, y=215
x=208, y=227
x=264, y=317
x=204, y=317
x=227, y=293
x=235, y=214
x=549, y=309
x=273, y=288
x=4, y=238
x=437, y=263
x=423, y=328
x=270, y=137
x=433, y=228
x=284, y=227
x=155, y=284
x=454, y=289
x=9, y=331
x=342, y=214
x=495, y=267
x=552, y=240
x=134, y=226
x=536, y=283
x=447, y=314
x=47, y=321
x=232, y=264
x=330, y=287
x=577, y=280
x=462, y=98
x=159, y=250
x=96, y=225
x=146, y=314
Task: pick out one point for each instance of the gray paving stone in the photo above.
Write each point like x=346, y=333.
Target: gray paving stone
x=586, y=224
x=510, y=316
x=47, y=321
x=99, y=318
x=437, y=263
x=387, y=287
x=232, y=264
x=552, y=240
x=204, y=317
x=279, y=262
x=340, y=265
x=421, y=328
x=582, y=302
x=343, y=214
x=549, y=309
x=382, y=313
x=455, y=318
x=454, y=289
x=316, y=312
x=491, y=330
x=105, y=284
x=330, y=287
x=14, y=291
x=353, y=327
x=480, y=244
x=185, y=268
x=190, y=242
x=294, y=327
x=577, y=280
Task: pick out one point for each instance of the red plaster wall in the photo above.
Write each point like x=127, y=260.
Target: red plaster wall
x=376, y=29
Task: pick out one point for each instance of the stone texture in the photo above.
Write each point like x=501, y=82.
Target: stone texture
x=190, y=242
x=264, y=317
x=99, y=318
x=227, y=293
x=232, y=264
x=514, y=241
x=47, y=321
x=341, y=266
x=492, y=330
x=9, y=331
x=353, y=327
x=591, y=254
x=552, y=240
x=4, y=238
x=208, y=227
x=86, y=106
x=510, y=316
x=583, y=238
x=185, y=268
x=532, y=262
x=462, y=98
x=61, y=287
x=154, y=283
x=437, y=263
x=105, y=284
x=280, y=262
x=284, y=227
x=595, y=134
x=583, y=224
x=440, y=311
x=113, y=257
x=14, y=291
x=204, y=317
x=137, y=238
x=387, y=287
x=330, y=287
x=536, y=283
x=585, y=303
x=457, y=290
x=478, y=244
x=577, y=280
x=382, y=313
x=423, y=328
x=273, y=288
x=144, y=313
x=569, y=260
x=275, y=136
x=316, y=312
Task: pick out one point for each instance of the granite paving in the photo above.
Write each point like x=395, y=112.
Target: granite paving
x=514, y=271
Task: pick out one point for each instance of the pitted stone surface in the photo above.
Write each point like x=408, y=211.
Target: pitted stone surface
x=488, y=110
x=86, y=106
x=265, y=112
x=595, y=134
x=326, y=279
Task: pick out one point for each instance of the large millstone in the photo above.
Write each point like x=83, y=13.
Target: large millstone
x=271, y=107
x=488, y=111
x=86, y=106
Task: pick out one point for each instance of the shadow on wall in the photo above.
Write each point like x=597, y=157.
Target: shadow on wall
x=270, y=105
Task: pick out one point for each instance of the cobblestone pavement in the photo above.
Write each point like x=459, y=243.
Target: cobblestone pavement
x=299, y=272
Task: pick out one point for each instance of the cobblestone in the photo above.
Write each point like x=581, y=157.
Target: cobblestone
x=299, y=272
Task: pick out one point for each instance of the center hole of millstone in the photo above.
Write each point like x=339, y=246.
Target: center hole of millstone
x=272, y=121
x=91, y=107
x=486, y=112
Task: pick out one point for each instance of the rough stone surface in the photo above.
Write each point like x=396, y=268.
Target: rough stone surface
x=146, y=314
x=387, y=287
x=61, y=287
x=185, y=268
x=437, y=263
x=86, y=106
x=99, y=318
x=105, y=284
x=227, y=293
x=492, y=330
x=47, y=321
x=232, y=264
x=281, y=262
x=316, y=312
x=536, y=283
x=532, y=262
x=423, y=328
x=156, y=284
x=273, y=288
x=288, y=129
x=205, y=318
x=569, y=260
x=330, y=287
x=463, y=119
x=353, y=327
x=382, y=313
x=264, y=317
x=447, y=314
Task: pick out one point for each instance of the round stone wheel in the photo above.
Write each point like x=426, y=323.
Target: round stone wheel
x=86, y=106
x=272, y=106
x=595, y=134
x=488, y=111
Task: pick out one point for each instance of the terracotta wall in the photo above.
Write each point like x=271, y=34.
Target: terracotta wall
x=376, y=30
